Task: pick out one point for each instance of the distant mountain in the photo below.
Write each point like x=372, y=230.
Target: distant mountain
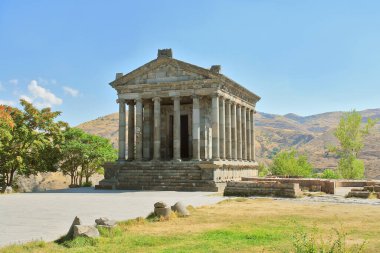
x=310, y=135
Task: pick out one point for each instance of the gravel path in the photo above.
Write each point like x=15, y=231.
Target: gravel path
x=47, y=216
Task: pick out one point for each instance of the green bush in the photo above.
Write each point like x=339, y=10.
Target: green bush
x=330, y=174
x=87, y=184
x=291, y=164
x=263, y=170
x=350, y=167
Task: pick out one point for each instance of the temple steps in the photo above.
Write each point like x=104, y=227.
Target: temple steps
x=171, y=178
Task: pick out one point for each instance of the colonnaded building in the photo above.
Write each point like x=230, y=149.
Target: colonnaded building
x=189, y=128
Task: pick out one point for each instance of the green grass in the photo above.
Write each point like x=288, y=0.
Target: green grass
x=239, y=225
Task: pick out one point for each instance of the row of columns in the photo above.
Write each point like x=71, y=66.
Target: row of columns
x=233, y=131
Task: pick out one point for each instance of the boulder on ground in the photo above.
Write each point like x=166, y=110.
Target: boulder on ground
x=180, y=209
x=86, y=231
x=105, y=222
x=160, y=204
x=70, y=234
x=162, y=212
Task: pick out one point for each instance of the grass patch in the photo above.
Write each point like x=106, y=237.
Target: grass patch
x=235, y=225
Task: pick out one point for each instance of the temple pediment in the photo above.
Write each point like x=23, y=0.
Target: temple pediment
x=166, y=73
x=164, y=70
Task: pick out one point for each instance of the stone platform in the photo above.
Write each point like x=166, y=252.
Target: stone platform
x=175, y=176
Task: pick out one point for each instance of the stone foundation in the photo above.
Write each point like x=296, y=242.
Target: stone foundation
x=175, y=176
x=263, y=188
x=311, y=184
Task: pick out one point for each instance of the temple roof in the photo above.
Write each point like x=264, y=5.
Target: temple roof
x=165, y=69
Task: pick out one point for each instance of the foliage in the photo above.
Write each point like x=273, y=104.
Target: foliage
x=350, y=134
x=274, y=152
x=83, y=155
x=330, y=174
x=29, y=142
x=307, y=242
x=290, y=164
x=263, y=170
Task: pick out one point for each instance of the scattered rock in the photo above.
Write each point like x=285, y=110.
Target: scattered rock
x=181, y=209
x=160, y=204
x=105, y=222
x=86, y=231
x=76, y=222
x=162, y=212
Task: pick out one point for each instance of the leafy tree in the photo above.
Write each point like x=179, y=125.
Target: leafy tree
x=83, y=155
x=291, y=164
x=350, y=134
x=31, y=141
x=98, y=151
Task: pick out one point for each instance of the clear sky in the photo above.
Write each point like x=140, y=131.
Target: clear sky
x=300, y=56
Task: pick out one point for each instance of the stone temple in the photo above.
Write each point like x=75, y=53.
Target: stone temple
x=188, y=129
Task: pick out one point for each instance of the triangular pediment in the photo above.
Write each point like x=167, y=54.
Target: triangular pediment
x=164, y=70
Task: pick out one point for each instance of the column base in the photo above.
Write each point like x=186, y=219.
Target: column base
x=177, y=160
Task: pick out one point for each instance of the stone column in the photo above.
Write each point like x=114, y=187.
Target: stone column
x=253, y=156
x=139, y=120
x=121, y=129
x=196, y=129
x=176, y=129
x=131, y=130
x=233, y=132
x=147, y=129
x=249, y=138
x=228, y=130
x=244, y=132
x=239, y=133
x=157, y=129
x=222, y=128
x=215, y=126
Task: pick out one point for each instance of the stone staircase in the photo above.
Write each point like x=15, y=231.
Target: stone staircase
x=164, y=176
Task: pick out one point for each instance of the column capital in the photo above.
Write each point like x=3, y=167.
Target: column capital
x=138, y=100
x=175, y=98
x=229, y=102
x=195, y=96
x=215, y=94
x=120, y=101
x=130, y=102
x=156, y=99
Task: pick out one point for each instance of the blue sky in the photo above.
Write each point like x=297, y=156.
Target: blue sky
x=304, y=57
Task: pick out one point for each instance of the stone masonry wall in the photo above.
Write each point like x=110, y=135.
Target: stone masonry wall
x=264, y=188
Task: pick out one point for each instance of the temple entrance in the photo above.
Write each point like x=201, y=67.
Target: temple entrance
x=185, y=154
x=185, y=137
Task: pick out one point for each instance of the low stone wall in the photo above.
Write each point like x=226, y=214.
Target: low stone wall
x=312, y=184
x=263, y=188
x=356, y=183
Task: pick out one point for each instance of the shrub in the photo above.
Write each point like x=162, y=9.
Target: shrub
x=263, y=170
x=350, y=167
x=87, y=184
x=330, y=174
x=291, y=164
x=304, y=242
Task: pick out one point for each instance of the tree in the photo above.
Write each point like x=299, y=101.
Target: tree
x=291, y=164
x=98, y=151
x=31, y=143
x=350, y=134
x=83, y=155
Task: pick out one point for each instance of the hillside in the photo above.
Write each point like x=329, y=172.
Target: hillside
x=310, y=135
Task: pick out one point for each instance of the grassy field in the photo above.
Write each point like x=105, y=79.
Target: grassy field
x=240, y=225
